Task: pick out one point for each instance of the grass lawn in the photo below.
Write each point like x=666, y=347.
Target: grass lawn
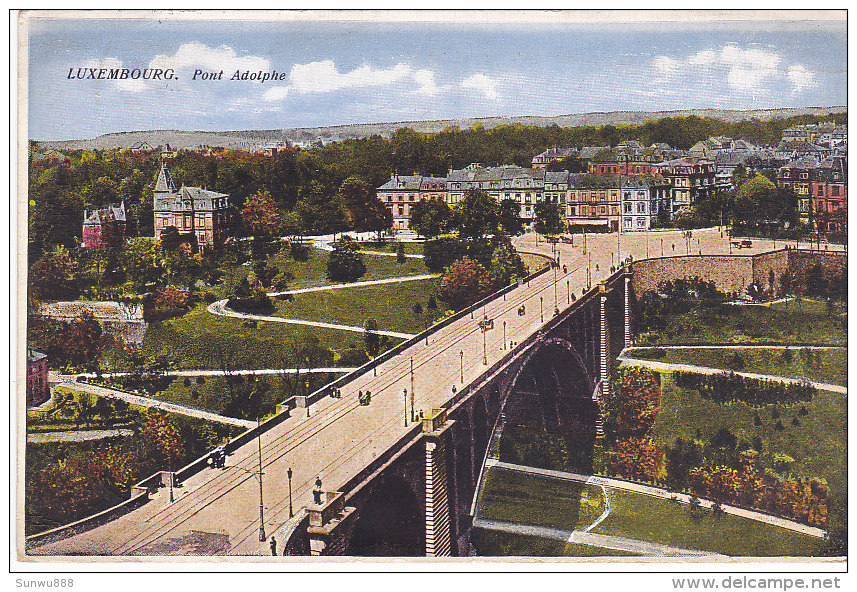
x=510, y=496
x=55, y=420
x=533, y=262
x=492, y=543
x=656, y=520
x=313, y=271
x=391, y=305
x=410, y=248
x=804, y=322
x=818, y=444
x=825, y=365
x=197, y=338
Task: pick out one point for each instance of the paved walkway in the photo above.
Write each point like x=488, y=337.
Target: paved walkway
x=219, y=308
x=593, y=540
x=75, y=435
x=101, y=391
x=392, y=280
x=191, y=373
x=669, y=367
x=324, y=243
x=661, y=493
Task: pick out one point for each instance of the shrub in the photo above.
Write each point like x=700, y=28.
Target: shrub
x=440, y=253
x=300, y=251
x=727, y=387
x=345, y=263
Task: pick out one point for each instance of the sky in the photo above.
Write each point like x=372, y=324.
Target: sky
x=339, y=72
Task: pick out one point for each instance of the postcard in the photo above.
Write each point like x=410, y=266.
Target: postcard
x=545, y=288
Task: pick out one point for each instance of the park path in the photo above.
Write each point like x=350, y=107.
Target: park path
x=192, y=373
x=219, y=308
x=392, y=280
x=324, y=243
x=75, y=435
x=102, y=391
x=670, y=367
x=661, y=493
x=593, y=540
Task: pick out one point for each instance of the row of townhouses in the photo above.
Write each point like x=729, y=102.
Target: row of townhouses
x=822, y=190
x=588, y=200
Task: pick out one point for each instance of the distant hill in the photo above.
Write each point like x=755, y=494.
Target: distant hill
x=306, y=135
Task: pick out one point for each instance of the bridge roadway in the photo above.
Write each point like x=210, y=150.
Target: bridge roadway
x=340, y=437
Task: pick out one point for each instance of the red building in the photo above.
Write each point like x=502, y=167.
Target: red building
x=104, y=227
x=37, y=378
x=830, y=196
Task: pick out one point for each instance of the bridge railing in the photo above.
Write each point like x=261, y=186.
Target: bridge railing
x=291, y=402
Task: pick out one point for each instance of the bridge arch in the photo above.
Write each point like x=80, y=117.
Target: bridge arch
x=390, y=522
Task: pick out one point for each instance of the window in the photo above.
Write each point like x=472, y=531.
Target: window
x=628, y=208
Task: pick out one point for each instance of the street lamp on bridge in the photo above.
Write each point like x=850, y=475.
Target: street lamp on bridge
x=291, y=509
x=262, y=536
x=461, y=353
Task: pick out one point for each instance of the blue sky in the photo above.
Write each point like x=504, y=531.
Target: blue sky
x=354, y=72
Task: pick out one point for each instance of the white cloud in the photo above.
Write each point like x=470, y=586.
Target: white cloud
x=801, y=78
x=195, y=55
x=665, y=65
x=317, y=77
x=128, y=84
x=484, y=84
x=427, y=84
x=323, y=77
x=743, y=69
x=276, y=93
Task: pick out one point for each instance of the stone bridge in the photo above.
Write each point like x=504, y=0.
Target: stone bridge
x=418, y=499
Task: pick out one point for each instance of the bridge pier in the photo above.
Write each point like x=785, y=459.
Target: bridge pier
x=437, y=510
x=604, y=358
x=627, y=306
x=329, y=524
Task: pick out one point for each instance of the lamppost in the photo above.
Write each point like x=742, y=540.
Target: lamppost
x=484, y=325
x=555, y=302
x=461, y=353
x=291, y=509
x=504, y=334
x=568, y=290
x=541, y=309
x=405, y=397
x=262, y=536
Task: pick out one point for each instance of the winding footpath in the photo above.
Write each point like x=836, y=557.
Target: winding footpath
x=660, y=493
x=670, y=367
x=219, y=308
x=101, y=391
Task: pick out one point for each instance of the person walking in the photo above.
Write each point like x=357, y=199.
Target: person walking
x=273, y=546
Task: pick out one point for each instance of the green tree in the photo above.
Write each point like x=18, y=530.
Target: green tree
x=365, y=211
x=431, y=218
x=345, y=262
x=53, y=276
x=319, y=212
x=102, y=192
x=548, y=220
x=261, y=215
x=506, y=265
x=371, y=338
x=141, y=260
x=478, y=215
x=464, y=283
x=509, y=218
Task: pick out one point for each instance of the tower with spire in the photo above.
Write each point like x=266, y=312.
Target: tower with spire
x=200, y=215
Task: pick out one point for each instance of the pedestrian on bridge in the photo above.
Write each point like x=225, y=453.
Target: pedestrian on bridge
x=273, y=546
